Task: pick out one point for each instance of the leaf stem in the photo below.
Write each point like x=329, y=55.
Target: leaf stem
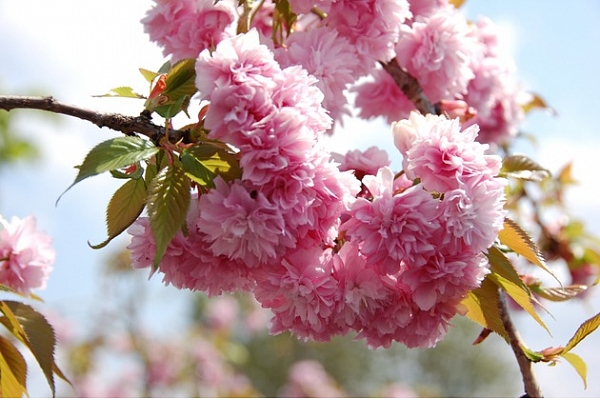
x=117, y=122
x=532, y=387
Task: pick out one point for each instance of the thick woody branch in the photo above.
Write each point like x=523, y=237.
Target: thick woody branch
x=128, y=125
x=532, y=387
x=410, y=87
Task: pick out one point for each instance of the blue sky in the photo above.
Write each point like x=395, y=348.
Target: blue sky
x=74, y=49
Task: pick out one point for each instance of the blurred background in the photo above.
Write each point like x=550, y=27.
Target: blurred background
x=122, y=334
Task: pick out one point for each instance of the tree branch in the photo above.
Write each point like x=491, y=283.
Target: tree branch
x=141, y=124
x=532, y=387
x=410, y=87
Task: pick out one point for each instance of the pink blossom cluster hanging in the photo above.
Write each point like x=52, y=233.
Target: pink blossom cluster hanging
x=346, y=245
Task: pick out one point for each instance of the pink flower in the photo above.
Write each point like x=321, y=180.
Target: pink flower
x=236, y=61
x=394, y=228
x=308, y=378
x=440, y=154
x=444, y=278
x=188, y=262
x=186, y=27
x=26, y=255
x=437, y=51
x=302, y=292
x=283, y=140
x=372, y=26
x=296, y=88
x=492, y=92
x=328, y=57
x=381, y=97
x=242, y=224
x=472, y=216
x=363, y=287
x=143, y=246
x=426, y=8
x=363, y=163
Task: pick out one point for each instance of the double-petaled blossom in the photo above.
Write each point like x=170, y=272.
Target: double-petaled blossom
x=440, y=154
x=328, y=57
x=437, y=51
x=183, y=28
x=26, y=255
x=242, y=224
x=392, y=228
x=302, y=292
x=492, y=92
x=371, y=26
x=380, y=96
x=363, y=163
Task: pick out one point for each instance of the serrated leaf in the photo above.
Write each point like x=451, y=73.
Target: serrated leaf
x=579, y=365
x=167, y=204
x=583, y=331
x=522, y=167
x=483, y=307
x=562, y=293
x=5, y=288
x=122, y=91
x=204, y=162
x=506, y=277
x=514, y=237
x=537, y=102
x=13, y=371
x=124, y=208
x=113, y=154
x=36, y=333
x=148, y=75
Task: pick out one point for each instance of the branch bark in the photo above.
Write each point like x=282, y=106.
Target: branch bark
x=410, y=87
x=532, y=387
x=128, y=125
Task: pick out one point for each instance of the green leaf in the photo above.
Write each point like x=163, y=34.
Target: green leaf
x=113, y=154
x=583, y=331
x=522, y=167
x=122, y=91
x=137, y=174
x=36, y=333
x=579, y=365
x=124, y=208
x=562, y=293
x=167, y=203
x=534, y=356
x=180, y=87
x=519, y=241
x=482, y=306
x=204, y=162
x=506, y=277
x=148, y=75
x=13, y=371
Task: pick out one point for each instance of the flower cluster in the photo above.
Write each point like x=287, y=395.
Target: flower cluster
x=26, y=255
x=337, y=246
x=430, y=40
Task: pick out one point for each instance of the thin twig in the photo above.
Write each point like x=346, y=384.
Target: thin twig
x=117, y=122
x=532, y=387
x=410, y=87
